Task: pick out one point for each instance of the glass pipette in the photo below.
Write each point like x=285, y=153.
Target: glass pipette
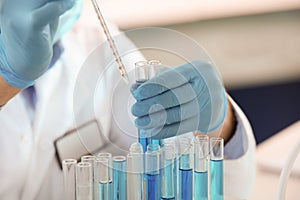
x=111, y=42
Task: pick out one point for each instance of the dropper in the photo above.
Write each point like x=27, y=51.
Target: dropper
x=111, y=42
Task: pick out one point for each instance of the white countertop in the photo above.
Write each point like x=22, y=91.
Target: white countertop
x=270, y=157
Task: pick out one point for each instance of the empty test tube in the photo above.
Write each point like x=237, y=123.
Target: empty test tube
x=69, y=169
x=152, y=172
x=201, y=152
x=91, y=159
x=216, y=168
x=84, y=180
x=110, y=186
x=119, y=178
x=101, y=177
x=185, y=169
x=168, y=178
x=135, y=170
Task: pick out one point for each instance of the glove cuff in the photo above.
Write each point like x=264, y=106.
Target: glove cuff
x=222, y=116
x=14, y=80
x=10, y=76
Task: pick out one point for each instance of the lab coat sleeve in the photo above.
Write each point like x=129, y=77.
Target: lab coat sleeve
x=240, y=172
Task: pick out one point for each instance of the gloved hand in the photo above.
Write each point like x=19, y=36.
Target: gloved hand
x=28, y=28
x=178, y=100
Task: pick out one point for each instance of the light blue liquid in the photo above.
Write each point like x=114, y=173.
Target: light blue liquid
x=216, y=180
x=153, y=187
x=175, y=177
x=201, y=185
x=167, y=180
x=185, y=178
x=103, y=191
x=110, y=190
x=119, y=184
x=186, y=184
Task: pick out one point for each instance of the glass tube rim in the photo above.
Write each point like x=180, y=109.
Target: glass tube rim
x=69, y=161
x=136, y=148
x=119, y=159
x=141, y=63
x=88, y=158
x=104, y=154
x=201, y=138
x=84, y=165
x=154, y=62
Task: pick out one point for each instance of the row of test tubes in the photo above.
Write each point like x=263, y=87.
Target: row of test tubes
x=193, y=169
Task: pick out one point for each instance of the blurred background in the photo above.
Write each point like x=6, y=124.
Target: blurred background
x=255, y=45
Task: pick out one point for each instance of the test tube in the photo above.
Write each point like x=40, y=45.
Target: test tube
x=135, y=170
x=144, y=71
x=141, y=76
x=175, y=172
x=185, y=169
x=216, y=168
x=109, y=158
x=152, y=172
x=84, y=180
x=119, y=178
x=168, y=179
x=101, y=174
x=69, y=169
x=91, y=159
x=201, y=152
x=153, y=67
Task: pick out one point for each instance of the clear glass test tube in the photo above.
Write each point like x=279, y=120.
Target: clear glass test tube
x=144, y=71
x=119, y=178
x=110, y=185
x=201, y=153
x=185, y=169
x=141, y=76
x=69, y=170
x=135, y=170
x=152, y=168
x=175, y=172
x=168, y=178
x=216, y=168
x=91, y=159
x=84, y=180
x=101, y=176
x=153, y=67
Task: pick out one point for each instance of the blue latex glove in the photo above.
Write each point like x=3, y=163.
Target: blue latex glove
x=178, y=100
x=28, y=28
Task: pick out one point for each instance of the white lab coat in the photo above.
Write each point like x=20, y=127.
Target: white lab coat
x=29, y=168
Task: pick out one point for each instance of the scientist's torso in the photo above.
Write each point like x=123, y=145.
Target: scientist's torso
x=35, y=118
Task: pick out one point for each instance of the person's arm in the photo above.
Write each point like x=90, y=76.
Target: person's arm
x=6, y=92
x=228, y=129
x=26, y=42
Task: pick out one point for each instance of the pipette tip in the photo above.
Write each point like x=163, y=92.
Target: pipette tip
x=125, y=78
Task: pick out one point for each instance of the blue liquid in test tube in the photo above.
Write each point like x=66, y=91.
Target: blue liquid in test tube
x=143, y=72
x=103, y=191
x=152, y=172
x=185, y=170
x=216, y=169
x=201, y=152
x=101, y=177
x=119, y=178
x=201, y=185
x=108, y=156
x=168, y=178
